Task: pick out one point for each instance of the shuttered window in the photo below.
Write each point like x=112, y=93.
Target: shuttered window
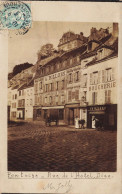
x=94, y=98
x=69, y=95
x=108, y=96
x=90, y=78
x=76, y=94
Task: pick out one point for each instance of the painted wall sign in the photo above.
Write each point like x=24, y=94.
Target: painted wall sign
x=102, y=86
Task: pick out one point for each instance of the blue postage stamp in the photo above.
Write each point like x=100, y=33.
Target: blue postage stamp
x=15, y=16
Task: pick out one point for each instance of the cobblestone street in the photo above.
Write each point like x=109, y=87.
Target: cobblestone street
x=34, y=147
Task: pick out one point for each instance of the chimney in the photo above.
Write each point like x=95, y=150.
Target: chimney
x=115, y=30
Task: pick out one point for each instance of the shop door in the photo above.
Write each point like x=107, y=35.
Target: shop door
x=71, y=116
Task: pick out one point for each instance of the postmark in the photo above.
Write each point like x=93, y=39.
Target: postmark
x=15, y=16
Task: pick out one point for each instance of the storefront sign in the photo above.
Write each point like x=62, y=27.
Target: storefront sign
x=102, y=86
x=56, y=75
x=99, y=108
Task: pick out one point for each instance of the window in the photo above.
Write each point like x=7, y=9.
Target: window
x=45, y=100
x=77, y=76
x=15, y=96
x=13, y=114
x=40, y=85
x=94, y=98
x=36, y=87
x=62, y=99
x=70, y=77
x=13, y=105
x=36, y=99
x=50, y=100
x=108, y=75
x=76, y=94
x=108, y=96
x=56, y=99
x=62, y=84
x=71, y=61
x=46, y=88
x=57, y=85
x=95, y=78
x=20, y=93
x=69, y=95
x=78, y=58
x=51, y=86
x=84, y=80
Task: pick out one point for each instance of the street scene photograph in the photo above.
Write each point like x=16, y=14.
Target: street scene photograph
x=62, y=98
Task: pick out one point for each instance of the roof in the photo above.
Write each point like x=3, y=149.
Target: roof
x=15, y=87
x=94, y=61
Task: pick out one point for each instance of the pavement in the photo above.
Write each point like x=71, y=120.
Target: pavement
x=35, y=147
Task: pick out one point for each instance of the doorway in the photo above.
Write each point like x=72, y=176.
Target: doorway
x=71, y=116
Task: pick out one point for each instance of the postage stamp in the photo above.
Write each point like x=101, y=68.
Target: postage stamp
x=15, y=16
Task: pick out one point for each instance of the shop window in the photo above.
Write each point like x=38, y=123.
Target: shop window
x=94, y=98
x=107, y=96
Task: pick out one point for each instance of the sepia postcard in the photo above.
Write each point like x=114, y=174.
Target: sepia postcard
x=60, y=92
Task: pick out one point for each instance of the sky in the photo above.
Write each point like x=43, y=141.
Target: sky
x=24, y=48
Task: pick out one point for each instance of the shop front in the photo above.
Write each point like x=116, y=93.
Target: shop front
x=72, y=111
x=54, y=112
x=105, y=114
x=37, y=113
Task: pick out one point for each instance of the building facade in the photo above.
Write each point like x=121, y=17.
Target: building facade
x=79, y=80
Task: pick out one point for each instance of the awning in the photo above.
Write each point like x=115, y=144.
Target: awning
x=53, y=107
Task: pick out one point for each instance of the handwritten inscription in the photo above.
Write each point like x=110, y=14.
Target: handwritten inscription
x=59, y=187
x=60, y=175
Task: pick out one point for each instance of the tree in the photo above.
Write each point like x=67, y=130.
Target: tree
x=18, y=68
x=46, y=50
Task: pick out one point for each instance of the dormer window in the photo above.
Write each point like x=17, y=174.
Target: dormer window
x=89, y=46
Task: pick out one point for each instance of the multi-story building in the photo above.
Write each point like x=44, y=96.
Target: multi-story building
x=25, y=101
x=71, y=83
x=14, y=103
x=17, y=96
x=77, y=80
